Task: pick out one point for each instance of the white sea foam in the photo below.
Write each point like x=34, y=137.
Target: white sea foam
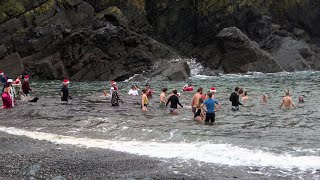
x=225, y=154
x=195, y=67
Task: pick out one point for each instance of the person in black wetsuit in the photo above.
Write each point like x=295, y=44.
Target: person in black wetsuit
x=64, y=91
x=234, y=98
x=174, y=99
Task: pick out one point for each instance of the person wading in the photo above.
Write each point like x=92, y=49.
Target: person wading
x=287, y=102
x=234, y=98
x=210, y=103
x=174, y=100
x=64, y=93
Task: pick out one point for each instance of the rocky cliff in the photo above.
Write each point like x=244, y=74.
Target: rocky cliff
x=115, y=39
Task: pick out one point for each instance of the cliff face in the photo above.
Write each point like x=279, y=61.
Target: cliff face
x=279, y=27
x=115, y=39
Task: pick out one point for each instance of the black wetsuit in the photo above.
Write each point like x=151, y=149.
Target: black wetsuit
x=115, y=99
x=234, y=98
x=174, y=102
x=65, y=93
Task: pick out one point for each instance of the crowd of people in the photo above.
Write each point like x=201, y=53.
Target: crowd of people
x=203, y=105
x=13, y=90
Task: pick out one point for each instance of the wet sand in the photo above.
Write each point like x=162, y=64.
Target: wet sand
x=24, y=158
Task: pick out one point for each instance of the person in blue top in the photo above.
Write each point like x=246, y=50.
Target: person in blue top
x=210, y=104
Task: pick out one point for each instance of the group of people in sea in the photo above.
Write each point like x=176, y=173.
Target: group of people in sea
x=203, y=105
x=13, y=90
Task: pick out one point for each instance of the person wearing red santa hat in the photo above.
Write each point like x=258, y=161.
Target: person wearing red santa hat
x=64, y=91
x=213, y=90
x=114, y=87
x=26, y=86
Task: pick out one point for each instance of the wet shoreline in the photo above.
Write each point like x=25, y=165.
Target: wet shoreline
x=24, y=158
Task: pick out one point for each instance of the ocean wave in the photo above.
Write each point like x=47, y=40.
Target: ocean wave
x=225, y=154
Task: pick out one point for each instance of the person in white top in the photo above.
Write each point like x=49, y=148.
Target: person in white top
x=133, y=91
x=11, y=91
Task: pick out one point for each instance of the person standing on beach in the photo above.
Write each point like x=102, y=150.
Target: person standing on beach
x=234, y=98
x=174, y=99
x=26, y=86
x=210, y=103
x=195, y=99
x=3, y=79
x=287, y=101
x=144, y=100
x=6, y=97
x=162, y=104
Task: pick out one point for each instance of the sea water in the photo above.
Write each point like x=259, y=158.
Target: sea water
x=261, y=137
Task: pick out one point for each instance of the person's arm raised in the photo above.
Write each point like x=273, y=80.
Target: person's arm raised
x=281, y=104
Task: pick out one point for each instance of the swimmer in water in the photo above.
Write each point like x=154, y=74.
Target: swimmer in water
x=245, y=97
x=162, y=104
x=264, y=98
x=287, y=101
x=301, y=99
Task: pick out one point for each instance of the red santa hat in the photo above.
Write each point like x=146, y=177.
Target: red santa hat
x=26, y=77
x=213, y=89
x=113, y=83
x=1, y=73
x=66, y=81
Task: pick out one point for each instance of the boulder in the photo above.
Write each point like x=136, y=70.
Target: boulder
x=12, y=65
x=164, y=70
x=3, y=51
x=114, y=15
x=239, y=54
x=293, y=55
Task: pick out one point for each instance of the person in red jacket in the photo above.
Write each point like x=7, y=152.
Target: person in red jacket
x=26, y=86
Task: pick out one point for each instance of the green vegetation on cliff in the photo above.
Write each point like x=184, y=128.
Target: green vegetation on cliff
x=10, y=8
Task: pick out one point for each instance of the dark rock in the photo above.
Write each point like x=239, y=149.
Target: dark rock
x=114, y=15
x=292, y=55
x=12, y=65
x=3, y=51
x=209, y=72
x=118, y=39
x=240, y=54
x=32, y=170
x=174, y=70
